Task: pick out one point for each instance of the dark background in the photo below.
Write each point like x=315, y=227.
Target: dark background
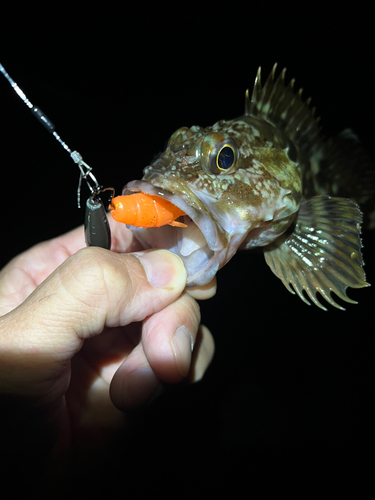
x=290, y=386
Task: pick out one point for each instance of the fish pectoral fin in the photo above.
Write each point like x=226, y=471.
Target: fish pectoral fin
x=323, y=251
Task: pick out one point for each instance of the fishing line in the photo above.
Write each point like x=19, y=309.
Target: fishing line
x=97, y=231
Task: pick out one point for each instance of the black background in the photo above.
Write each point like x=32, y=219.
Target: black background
x=290, y=386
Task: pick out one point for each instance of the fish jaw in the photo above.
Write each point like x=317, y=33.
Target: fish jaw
x=204, y=246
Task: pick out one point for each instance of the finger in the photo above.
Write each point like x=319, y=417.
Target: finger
x=26, y=271
x=204, y=350
x=123, y=240
x=168, y=339
x=42, y=259
x=92, y=289
x=135, y=382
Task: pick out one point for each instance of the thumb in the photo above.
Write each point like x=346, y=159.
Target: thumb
x=91, y=290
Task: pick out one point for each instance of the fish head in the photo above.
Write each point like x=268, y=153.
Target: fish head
x=238, y=184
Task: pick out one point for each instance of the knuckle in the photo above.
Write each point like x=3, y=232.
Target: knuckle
x=94, y=271
x=100, y=272
x=88, y=266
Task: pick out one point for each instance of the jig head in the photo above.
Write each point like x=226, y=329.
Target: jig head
x=97, y=229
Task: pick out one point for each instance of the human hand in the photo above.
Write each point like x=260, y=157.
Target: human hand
x=86, y=333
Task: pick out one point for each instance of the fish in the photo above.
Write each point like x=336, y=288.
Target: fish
x=269, y=179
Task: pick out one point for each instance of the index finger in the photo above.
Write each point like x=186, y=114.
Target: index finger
x=42, y=259
x=123, y=240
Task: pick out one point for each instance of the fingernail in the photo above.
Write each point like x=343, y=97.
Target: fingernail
x=182, y=345
x=163, y=268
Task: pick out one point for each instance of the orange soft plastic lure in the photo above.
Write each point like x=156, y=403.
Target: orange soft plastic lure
x=145, y=210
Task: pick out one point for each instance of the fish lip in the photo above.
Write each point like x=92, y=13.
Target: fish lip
x=200, y=271
x=216, y=236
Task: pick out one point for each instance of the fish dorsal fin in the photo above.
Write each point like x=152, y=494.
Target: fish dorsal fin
x=344, y=169
x=323, y=252
x=279, y=104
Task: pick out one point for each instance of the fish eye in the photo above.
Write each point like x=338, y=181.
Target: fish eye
x=223, y=157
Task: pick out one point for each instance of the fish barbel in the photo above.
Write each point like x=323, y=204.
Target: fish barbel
x=269, y=179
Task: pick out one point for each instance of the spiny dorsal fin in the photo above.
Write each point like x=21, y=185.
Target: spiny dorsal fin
x=344, y=169
x=279, y=104
x=335, y=167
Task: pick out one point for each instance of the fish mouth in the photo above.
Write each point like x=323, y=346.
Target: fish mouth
x=202, y=245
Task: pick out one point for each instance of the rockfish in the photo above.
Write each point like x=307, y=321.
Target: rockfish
x=266, y=179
